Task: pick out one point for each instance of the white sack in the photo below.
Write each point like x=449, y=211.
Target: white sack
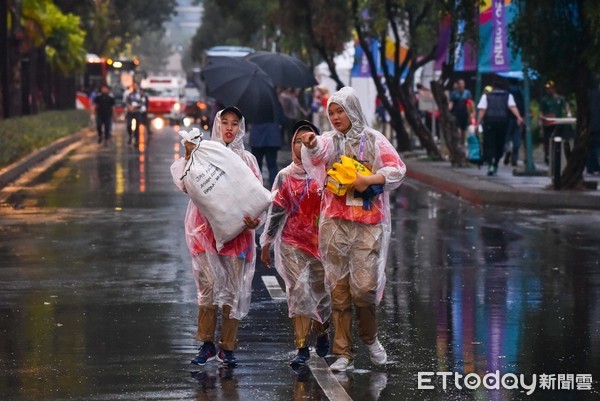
x=214, y=178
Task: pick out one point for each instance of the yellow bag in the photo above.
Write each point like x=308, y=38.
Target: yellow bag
x=342, y=175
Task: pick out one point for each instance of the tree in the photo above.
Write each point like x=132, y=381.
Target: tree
x=113, y=24
x=400, y=19
x=322, y=25
x=59, y=34
x=42, y=37
x=152, y=51
x=236, y=23
x=566, y=54
x=454, y=13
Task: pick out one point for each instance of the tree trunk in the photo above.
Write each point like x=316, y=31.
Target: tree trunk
x=572, y=175
x=413, y=117
x=449, y=127
x=15, y=95
x=397, y=123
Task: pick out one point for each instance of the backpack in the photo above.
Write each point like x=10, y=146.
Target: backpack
x=497, y=107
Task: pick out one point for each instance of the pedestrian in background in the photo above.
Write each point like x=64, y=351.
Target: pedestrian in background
x=104, y=108
x=223, y=278
x=292, y=228
x=265, y=142
x=552, y=105
x=292, y=110
x=461, y=102
x=133, y=117
x=516, y=132
x=319, y=107
x=493, y=111
x=354, y=229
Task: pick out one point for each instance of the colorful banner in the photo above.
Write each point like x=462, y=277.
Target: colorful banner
x=495, y=53
x=361, y=66
x=465, y=56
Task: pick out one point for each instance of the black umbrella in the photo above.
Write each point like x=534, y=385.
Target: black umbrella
x=237, y=82
x=284, y=70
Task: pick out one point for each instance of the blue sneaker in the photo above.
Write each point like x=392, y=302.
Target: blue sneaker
x=207, y=353
x=301, y=357
x=227, y=358
x=322, y=346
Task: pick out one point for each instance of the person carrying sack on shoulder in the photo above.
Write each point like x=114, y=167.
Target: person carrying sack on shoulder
x=223, y=278
x=354, y=228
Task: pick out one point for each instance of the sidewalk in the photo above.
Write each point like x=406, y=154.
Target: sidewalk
x=504, y=188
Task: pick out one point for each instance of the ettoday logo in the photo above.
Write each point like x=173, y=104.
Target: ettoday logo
x=509, y=381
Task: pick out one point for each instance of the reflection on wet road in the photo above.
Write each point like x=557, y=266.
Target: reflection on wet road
x=97, y=301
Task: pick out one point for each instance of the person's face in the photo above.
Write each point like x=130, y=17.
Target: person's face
x=339, y=118
x=297, y=144
x=230, y=125
x=104, y=89
x=460, y=85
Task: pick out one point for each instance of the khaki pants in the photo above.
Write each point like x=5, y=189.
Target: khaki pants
x=350, y=252
x=303, y=326
x=309, y=302
x=213, y=291
x=207, y=324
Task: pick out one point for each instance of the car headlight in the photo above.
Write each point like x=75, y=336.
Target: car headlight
x=158, y=123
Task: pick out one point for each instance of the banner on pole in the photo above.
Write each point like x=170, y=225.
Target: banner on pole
x=495, y=52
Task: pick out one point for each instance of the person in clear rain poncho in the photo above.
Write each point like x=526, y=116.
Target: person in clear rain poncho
x=223, y=278
x=292, y=228
x=355, y=224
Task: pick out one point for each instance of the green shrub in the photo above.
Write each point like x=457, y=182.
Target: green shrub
x=20, y=136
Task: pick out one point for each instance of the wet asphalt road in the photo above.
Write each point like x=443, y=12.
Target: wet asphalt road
x=97, y=300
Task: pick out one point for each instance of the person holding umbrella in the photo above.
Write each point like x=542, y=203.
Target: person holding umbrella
x=223, y=278
x=292, y=227
x=354, y=228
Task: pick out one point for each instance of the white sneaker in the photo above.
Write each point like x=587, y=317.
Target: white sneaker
x=377, y=353
x=342, y=364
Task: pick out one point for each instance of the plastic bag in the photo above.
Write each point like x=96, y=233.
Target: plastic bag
x=341, y=175
x=473, y=146
x=194, y=136
x=224, y=189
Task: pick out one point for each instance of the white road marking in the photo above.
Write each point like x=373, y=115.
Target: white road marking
x=326, y=379
x=274, y=288
x=319, y=368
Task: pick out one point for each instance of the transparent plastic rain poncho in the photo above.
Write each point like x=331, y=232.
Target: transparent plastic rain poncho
x=354, y=233
x=292, y=228
x=224, y=277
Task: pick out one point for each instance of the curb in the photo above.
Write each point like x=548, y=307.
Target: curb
x=13, y=171
x=483, y=192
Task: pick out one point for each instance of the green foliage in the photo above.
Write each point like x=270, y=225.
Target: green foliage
x=58, y=32
x=235, y=23
x=22, y=135
x=113, y=24
x=557, y=36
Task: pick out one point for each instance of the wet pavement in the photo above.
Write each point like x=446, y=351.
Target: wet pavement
x=97, y=301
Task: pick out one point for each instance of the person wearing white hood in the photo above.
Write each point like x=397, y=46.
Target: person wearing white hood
x=292, y=228
x=354, y=228
x=223, y=278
